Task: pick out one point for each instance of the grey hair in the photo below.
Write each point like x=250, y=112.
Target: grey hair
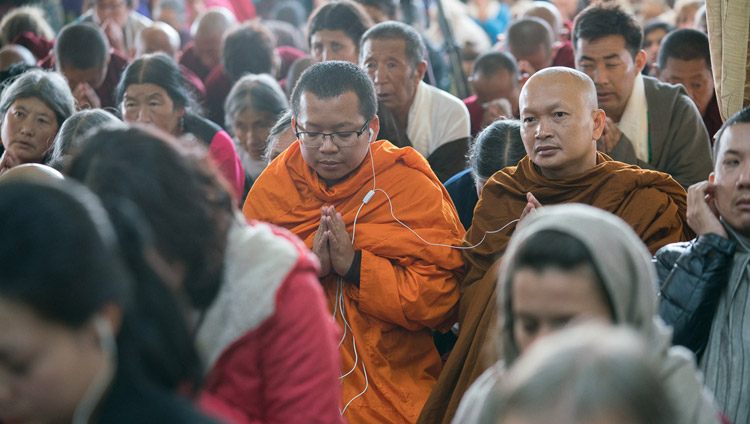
x=392, y=30
x=585, y=371
x=75, y=130
x=282, y=124
x=258, y=92
x=47, y=86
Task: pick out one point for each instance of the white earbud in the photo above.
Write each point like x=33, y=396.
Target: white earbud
x=372, y=135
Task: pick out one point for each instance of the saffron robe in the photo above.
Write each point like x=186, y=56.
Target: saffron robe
x=406, y=286
x=651, y=202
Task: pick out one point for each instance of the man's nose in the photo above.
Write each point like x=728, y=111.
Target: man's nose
x=543, y=129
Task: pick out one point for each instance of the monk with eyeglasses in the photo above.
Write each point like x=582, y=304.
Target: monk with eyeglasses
x=351, y=199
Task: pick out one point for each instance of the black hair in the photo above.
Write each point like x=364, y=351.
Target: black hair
x=525, y=36
x=492, y=62
x=392, y=30
x=248, y=49
x=497, y=146
x=183, y=200
x=343, y=15
x=657, y=25
x=741, y=117
x=556, y=249
x=331, y=79
x=388, y=7
x=603, y=19
x=684, y=44
x=158, y=69
x=70, y=50
x=61, y=257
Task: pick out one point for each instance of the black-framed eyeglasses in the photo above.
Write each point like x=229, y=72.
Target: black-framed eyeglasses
x=314, y=140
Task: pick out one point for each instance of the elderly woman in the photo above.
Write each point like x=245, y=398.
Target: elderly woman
x=251, y=110
x=71, y=133
x=560, y=269
x=32, y=109
x=152, y=92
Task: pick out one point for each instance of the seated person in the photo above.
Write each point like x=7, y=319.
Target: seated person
x=558, y=270
x=93, y=72
x=152, y=92
x=249, y=48
x=584, y=374
x=203, y=54
x=265, y=338
x=280, y=137
x=653, y=34
x=334, y=31
x=385, y=286
x=433, y=122
x=495, y=148
x=73, y=131
x=684, y=58
x=560, y=123
x=562, y=48
x=32, y=109
x=160, y=37
x=81, y=340
x=704, y=283
x=120, y=22
x=530, y=40
x=251, y=110
x=27, y=27
x=649, y=123
x=381, y=10
x=494, y=77
x=13, y=54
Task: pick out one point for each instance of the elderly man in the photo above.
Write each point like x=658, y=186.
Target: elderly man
x=203, y=54
x=560, y=123
x=353, y=201
x=649, y=123
x=432, y=121
x=705, y=286
x=161, y=37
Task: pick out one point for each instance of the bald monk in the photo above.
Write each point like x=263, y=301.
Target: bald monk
x=161, y=37
x=560, y=123
x=203, y=54
x=388, y=288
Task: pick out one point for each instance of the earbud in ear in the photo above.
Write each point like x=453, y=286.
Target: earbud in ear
x=372, y=135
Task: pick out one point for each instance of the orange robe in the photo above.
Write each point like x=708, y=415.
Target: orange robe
x=406, y=286
x=651, y=202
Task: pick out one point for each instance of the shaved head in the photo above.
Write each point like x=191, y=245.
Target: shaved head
x=546, y=11
x=579, y=82
x=13, y=53
x=215, y=20
x=159, y=37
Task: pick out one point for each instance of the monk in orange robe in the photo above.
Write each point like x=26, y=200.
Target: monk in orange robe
x=388, y=288
x=560, y=123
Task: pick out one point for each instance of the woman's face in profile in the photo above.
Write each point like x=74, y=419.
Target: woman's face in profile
x=45, y=367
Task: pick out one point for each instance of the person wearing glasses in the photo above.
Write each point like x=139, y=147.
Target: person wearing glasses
x=382, y=227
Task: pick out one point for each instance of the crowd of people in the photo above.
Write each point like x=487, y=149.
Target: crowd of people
x=371, y=211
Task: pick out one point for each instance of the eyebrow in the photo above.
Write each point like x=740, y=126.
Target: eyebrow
x=611, y=56
x=23, y=109
x=337, y=126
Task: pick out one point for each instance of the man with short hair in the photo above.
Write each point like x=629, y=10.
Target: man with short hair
x=161, y=37
x=530, y=40
x=684, y=58
x=203, y=54
x=705, y=285
x=355, y=202
x=495, y=82
x=432, y=121
x=560, y=123
x=92, y=72
x=649, y=123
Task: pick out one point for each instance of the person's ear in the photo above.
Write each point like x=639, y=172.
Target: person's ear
x=599, y=120
x=711, y=177
x=640, y=60
x=374, y=127
x=420, y=70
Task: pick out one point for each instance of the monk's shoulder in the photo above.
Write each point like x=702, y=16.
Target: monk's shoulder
x=632, y=177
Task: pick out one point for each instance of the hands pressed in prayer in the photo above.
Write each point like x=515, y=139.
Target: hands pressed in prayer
x=531, y=205
x=114, y=34
x=86, y=97
x=610, y=136
x=332, y=243
x=496, y=111
x=702, y=215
